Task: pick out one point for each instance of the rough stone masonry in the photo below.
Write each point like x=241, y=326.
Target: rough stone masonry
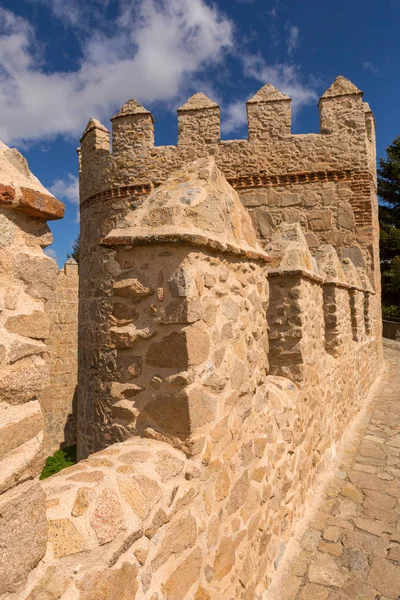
x=229, y=331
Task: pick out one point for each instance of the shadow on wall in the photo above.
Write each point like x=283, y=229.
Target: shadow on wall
x=70, y=427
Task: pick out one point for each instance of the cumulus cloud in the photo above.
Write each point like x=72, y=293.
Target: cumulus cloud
x=67, y=189
x=155, y=48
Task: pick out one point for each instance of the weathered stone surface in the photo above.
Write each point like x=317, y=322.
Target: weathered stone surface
x=184, y=577
x=36, y=325
x=18, y=424
x=180, y=349
x=346, y=216
x=38, y=273
x=23, y=381
x=23, y=534
x=108, y=519
x=131, y=288
x=320, y=220
x=65, y=538
x=385, y=577
x=110, y=584
x=180, y=534
x=37, y=204
x=51, y=586
x=83, y=499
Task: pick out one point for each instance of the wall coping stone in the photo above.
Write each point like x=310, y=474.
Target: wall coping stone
x=127, y=237
x=318, y=279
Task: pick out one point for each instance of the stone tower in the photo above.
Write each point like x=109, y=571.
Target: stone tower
x=326, y=182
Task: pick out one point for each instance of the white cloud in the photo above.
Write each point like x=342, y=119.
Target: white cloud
x=156, y=48
x=66, y=189
x=51, y=253
x=292, y=41
x=234, y=117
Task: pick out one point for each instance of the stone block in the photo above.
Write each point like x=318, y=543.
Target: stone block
x=65, y=538
x=39, y=274
x=290, y=199
x=133, y=288
x=180, y=349
x=254, y=198
x=36, y=325
x=186, y=575
x=23, y=381
x=320, y=220
x=18, y=424
x=23, y=534
x=346, y=216
x=265, y=221
x=108, y=519
x=110, y=584
x=179, y=535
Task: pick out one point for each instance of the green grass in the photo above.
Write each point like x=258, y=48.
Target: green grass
x=61, y=459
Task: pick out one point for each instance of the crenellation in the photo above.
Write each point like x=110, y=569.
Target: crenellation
x=199, y=122
x=132, y=129
x=268, y=115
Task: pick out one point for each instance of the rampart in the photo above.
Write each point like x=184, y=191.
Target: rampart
x=221, y=353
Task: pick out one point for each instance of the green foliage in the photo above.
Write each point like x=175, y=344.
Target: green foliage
x=76, y=246
x=391, y=313
x=61, y=459
x=389, y=175
x=389, y=219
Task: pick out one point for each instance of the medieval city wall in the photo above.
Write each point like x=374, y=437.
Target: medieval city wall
x=226, y=339
x=59, y=399
x=227, y=433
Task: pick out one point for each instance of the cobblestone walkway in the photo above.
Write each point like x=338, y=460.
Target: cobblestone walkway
x=351, y=550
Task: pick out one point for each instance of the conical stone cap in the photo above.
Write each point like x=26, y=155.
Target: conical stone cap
x=268, y=93
x=289, y=250
x=195, y=206
x=94, y=124
x=197, y=102
x=341, y=87
x=132, y=107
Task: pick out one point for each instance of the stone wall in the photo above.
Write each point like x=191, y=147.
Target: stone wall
x=59, y=399
x=27, y=282
x=222, y=448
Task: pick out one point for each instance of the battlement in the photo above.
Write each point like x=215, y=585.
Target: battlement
x=346, y=129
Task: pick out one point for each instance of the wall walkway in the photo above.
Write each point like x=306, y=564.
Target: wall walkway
x=351, y=548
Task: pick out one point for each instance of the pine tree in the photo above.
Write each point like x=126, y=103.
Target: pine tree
x=75, y=250
x=389, y=219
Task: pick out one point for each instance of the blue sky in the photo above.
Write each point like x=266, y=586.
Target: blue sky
x=64, y=61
